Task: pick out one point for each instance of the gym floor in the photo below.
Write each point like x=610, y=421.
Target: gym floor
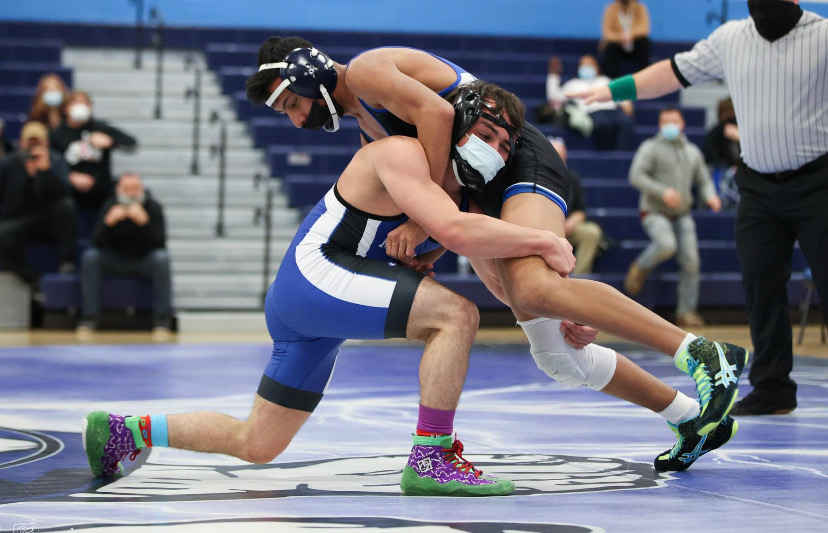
x=582, y=461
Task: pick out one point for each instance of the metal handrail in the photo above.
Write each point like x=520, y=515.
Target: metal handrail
x=139, y=31
x=220, y=150
x=195, y=94
x=158, y=43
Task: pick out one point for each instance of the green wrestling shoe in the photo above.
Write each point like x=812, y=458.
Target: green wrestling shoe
x=691, y=446
x=716, y=368
x=107, y=441
x=436, y=467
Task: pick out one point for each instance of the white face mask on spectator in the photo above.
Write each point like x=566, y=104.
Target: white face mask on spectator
x=80, y=113
x=587, y=72
x=52, y=98
x=125, y=199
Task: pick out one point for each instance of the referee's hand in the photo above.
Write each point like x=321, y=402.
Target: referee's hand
x=590, y=96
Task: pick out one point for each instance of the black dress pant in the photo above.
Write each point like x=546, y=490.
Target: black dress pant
x=772, y=215
x=57, y=222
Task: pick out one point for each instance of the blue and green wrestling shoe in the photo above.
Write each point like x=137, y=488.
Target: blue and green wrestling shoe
x=691, y=446
x=715, y=367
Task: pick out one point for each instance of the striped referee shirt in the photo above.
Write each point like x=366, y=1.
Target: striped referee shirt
x=779, y=89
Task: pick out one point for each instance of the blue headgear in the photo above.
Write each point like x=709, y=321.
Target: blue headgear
x=309, y=73
x=468, y=107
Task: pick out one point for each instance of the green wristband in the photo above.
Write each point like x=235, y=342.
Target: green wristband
x=623, y=88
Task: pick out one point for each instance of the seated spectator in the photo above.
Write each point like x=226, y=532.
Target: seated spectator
x=35, y=204
x=724, y=154
x=664, y=169
x=6, y=147
x=49, y=101
x=130, y=238
x=721, y=144
x=611, y=125
x=552, y=111
x=87, y=143
x=625, y=32
x=584, y=235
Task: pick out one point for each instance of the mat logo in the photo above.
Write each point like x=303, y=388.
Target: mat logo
x=376, y=476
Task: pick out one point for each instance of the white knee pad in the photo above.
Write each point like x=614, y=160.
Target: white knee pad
x=592, y=365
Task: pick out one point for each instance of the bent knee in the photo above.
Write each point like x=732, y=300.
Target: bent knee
x=462, y=314
x=261, y=453
x=538, y=295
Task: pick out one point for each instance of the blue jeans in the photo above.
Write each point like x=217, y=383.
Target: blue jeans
x=155, y=265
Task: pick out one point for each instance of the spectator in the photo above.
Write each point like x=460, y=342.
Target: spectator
x=48, y=105
x=625, y=34
x=6, y=147
x=35, y=203
x=723, y=153
x=664, y=169
x=553, y=110
x=611, y=122
x=87, y=144
x=130, y=238
x=584, y=235
x=721, y=144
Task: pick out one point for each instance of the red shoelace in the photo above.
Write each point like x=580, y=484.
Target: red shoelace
x=455, y=455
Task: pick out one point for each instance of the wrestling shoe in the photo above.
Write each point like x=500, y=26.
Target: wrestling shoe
x=691, y=446
x=107, y=441
x=436, y=467
x=715, y=367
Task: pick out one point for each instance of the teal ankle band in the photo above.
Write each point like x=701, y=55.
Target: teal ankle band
x=623, y=88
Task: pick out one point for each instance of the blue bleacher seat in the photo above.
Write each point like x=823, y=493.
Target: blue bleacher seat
x=62, y=292
x=22, y=74
x=30, y=50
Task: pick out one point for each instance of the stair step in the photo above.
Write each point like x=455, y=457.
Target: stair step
x=208, y=272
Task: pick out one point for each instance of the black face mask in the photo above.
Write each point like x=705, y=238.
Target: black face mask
x=774, y=18
x=319, y=116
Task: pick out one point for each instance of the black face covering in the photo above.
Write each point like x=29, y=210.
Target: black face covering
x=774, y=18
x=319, y=116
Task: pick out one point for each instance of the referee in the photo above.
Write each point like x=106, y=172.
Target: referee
x=776, y=66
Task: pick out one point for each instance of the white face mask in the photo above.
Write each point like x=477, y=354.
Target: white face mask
x=670, y=131
x=481, y=157
x=587, y=72
x=52, y=98
x=124, y=199
x=80, y=113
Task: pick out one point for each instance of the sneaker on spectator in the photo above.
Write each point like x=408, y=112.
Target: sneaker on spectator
x=689, y=320
x=86, y=329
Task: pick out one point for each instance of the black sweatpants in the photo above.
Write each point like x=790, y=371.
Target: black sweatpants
x=58, y=221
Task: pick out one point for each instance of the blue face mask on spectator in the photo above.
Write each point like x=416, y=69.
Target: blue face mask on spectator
x=587, y=72
x=670, y=131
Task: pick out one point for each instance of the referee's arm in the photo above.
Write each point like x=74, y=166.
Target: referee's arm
x=656, y=80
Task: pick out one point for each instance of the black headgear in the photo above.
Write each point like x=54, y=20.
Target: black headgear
x=468, y=107
x=311, y=74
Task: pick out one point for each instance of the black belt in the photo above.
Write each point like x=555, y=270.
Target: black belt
x=786, y=175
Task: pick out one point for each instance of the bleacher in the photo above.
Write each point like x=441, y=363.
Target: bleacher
x=308, y=162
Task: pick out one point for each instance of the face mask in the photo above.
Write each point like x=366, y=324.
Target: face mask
x=481, y=157
x=80, y=113
x=587, y=72
x=125, y=199
x=320, y=116
x=52, y=98
x=670, y=131
x=774, y=18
